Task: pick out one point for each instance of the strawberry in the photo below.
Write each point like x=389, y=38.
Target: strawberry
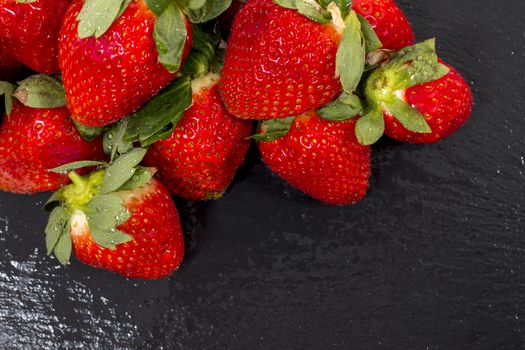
x=34, y=140
x=415, y=97
x=200, y=158
x=117, y=218
x=285, y=58
x=9, y=67
x=445, y=103
x=29, y=31
x=319, y=157
x=278, y=63
x=110, y=73
x=388, y=21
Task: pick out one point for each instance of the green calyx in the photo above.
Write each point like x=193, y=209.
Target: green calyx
x=82, y=190
x=380, y=86
x=95, y=196
x=154, y=122
x=385, y=89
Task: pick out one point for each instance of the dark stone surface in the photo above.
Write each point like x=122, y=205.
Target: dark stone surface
x=433, y=258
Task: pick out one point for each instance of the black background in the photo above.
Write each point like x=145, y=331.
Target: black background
x=433, y=258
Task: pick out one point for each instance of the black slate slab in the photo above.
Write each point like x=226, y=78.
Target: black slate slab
x=433, y=258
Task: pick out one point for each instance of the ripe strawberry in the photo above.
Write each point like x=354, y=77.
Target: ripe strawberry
x=388, y=21
x=200, y=158
x=34, y=140
x=157, y=248
x=414, y=97
x=445, y=103
x=30, y=30
x=278, y=63
x=9, y=67
x=116, y=218
x=321, y=158
x=112, y=76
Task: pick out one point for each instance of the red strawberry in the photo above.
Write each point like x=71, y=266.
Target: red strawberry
x=226, y=19
x=34, y=140
x=420, y=98
x=278, y=63
x=321, y=158
x=388, y=21
x=9, y=67
x=157, y=248
x=116, y=218
x=29, y=30
x=446, y=104
x=110, y=77
x=200, y=158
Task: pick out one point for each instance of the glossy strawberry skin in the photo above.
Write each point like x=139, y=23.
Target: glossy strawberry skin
x=32, y=141
x=199, y=160
x=9, y=67
x=321, y=158
x=158, y=246
x=30, y=32
x=388, y=21
x=108, y=78
x=446, y=104
x=278, y=63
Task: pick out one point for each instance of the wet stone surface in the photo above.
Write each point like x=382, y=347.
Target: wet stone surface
x=433, y=258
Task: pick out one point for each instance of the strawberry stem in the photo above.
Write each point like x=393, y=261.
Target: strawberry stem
x=78, y=180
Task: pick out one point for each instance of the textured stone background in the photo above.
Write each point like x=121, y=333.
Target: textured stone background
x=433, y=258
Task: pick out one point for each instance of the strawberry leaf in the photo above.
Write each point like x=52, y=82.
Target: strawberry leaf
x=370, y=127
x=200, y=11
x=41, y=91
x=114, y=143
x=408, y=116
x=170, y=36
x=271, y=130
x=289, y=4
x=122, y=169
x=350, y=59
x=55, y=200
x=108, y=238
x=344, y=6
x=58, y=220
x=311, y=9
x=64, y=246
x=158, y=6
x=97, y=16
x=118, y=145
x=88, y=133
x=415, y=65
x=106, y=211
x=372, y=41
x=141, y=177
x=7, y=90
x=343, y=108
x=156, y=120
x=77, y=165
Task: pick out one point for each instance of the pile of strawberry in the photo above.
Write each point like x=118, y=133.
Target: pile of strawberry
x=125, y=103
